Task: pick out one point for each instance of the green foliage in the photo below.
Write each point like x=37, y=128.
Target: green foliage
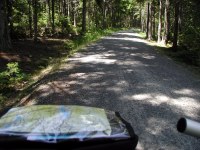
x=19, y=19
x=11, y=76
x=2, y=99
x=189, y=36
x=19, y=32
x=88, y=37
x=22, y=14
x=69, y=45
x=42, y=21
x=67, y=27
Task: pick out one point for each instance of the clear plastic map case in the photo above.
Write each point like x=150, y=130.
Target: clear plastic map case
x=63, y=124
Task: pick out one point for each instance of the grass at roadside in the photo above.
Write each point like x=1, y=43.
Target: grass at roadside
x=38, y=60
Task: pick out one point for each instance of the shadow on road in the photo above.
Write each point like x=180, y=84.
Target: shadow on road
x=122, y=73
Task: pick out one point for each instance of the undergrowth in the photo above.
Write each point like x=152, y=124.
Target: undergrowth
x=88, y=37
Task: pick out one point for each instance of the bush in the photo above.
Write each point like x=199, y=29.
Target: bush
x=190, y=38
x=11, y=76
x=2, y=99
x=18, y=32
x=86, y=38
x=67, y=27
x=69, y=45
x=189, y=44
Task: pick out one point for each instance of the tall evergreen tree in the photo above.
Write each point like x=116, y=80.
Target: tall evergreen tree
x=5, y=42
x=84, y=17
x=166, y=35
x=176, y=24
x=160, y=21
x=35, y=19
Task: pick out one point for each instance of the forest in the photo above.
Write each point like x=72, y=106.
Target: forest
x=34, y=33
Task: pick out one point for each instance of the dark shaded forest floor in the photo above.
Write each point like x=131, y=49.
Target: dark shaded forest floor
x=33, y=57
x=189, y=60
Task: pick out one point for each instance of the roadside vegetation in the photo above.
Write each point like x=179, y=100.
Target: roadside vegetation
x=174, y=29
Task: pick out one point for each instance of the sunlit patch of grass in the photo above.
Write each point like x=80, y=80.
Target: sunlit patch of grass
x=142, y=35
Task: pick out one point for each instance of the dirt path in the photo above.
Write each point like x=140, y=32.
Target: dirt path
x=122, y=73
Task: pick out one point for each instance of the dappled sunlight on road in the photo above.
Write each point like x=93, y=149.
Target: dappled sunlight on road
x=98, y=58
x=183, y=104
x=185, y=92
x=155, y=130
x=125, y=39
x=122, y=73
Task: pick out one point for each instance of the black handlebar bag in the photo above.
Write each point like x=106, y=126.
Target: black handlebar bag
x=66, y=127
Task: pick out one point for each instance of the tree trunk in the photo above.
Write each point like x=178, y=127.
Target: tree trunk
x=132, y=18
x=68, y=9
x=114, y=16
x=9, y=16
x=61, y=7
x=167, y=22
x=49, y=13
x=147, y=27
x=104, y=14
x=180, y=17
x=141, y=16
x=153, y=21
x=84, y=17
x=88, y=15
x=160, y=21
x=176, y=24
x=53, y=14
x=5, y=42
x=96, y=16
x=150, y=22
x=74, y=14
x=35, y=19
x=30, y=18
x=111, y=17
x=64, y=8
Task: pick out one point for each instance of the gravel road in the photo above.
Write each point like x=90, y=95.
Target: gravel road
x=123, y=73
